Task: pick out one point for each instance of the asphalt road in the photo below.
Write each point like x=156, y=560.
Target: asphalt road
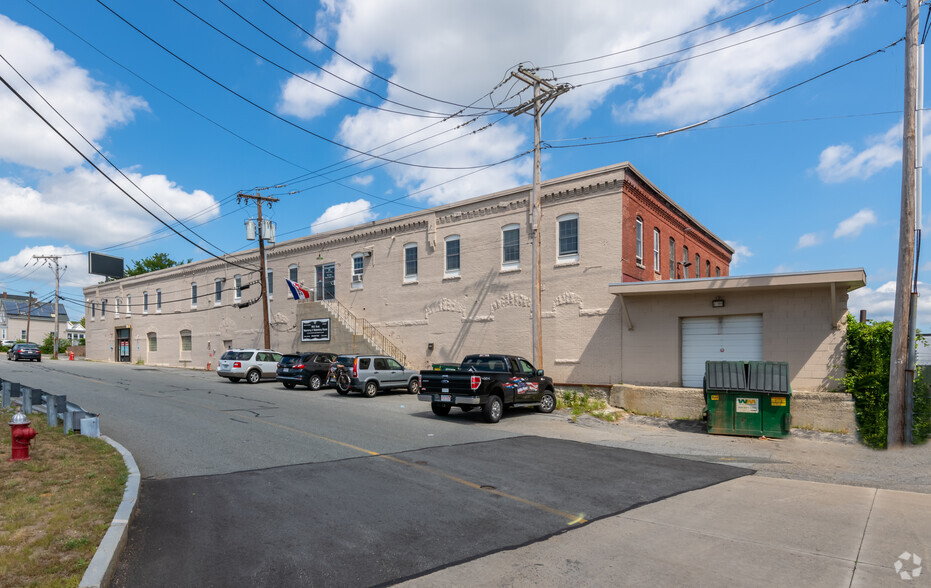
x=256, y=485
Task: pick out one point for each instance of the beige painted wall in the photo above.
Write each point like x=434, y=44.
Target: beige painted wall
x=797, y=328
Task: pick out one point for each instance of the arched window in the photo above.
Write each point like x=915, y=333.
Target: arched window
x=639, y=241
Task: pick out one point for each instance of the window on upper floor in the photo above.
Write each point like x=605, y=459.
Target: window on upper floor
x=358, y=270
x=116, y=308
x=510, y=246
x=103, y=308
x=685, y=260
x=292, y=272
x=217, y=292
x=194, y=295
x=410, y=262
x=237, y=281
x=129, y=305
x=145, y=303
x=639, y=230
x=672, y=259
x=568, y=228
x=656, y=250
x=717, y=272
x=270, y=280
x=697, y=266
x=93, y=310
x=158, y=300
x=707, y=268
x=452, y=256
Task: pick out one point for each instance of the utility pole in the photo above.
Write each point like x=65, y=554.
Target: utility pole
x=900, y=321
x=53, y=259
x=259, y=199
x=540, y=99
x=28, y=313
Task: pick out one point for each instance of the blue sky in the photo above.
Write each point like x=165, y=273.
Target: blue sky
x=809, y=179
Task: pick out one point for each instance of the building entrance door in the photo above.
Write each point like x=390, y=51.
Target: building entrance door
x=326, y=282
x=122, y=345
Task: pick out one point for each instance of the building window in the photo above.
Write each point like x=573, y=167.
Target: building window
x=410, y=262
x=237, y=281
x=707, y=268
x=93, y=311
x=452, y=256
x=717, y=272
x=292, y=272
x=510, y=246
x=358, y=270
x=116, y=308
x=672, y=259
x=22, y=334
x=153, y=341
x=697, y=266
x=158, y=300
x=145, y=303
x=103, y=308
x=270, y=281
x=639, y=241
x=656, y=250
x=194, y=295
x=129, y=305
x=685, y=260
x=186, y=340
x=568, y=225
x=217, y=292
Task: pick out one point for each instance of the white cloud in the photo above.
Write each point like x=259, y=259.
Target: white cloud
x=73, y=266
x=808, y=240
x=343, y=215
x=839, y=163
x=81, y=206
x=879, y=303
x=427, y=49
x=363, y=180
x=712, y=84
x=853, y=226
x=86, y=103
x=306, y=100
x=740, y=253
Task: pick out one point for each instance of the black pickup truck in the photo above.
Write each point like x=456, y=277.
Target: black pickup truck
x=490, y=381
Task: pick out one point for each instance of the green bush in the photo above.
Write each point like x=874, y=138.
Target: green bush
x=869, y=349
x=49, y=342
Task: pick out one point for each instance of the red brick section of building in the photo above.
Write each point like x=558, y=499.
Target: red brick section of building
x=708, y=256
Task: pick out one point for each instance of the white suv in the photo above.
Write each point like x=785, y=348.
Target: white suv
x=251, y=364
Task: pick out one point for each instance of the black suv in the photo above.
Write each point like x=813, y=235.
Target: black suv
x=308, y=369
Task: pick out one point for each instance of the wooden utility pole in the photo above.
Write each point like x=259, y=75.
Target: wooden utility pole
x=28, y=313
x=903, y=285
x=540, y=99
x=53, y=259
x=259, y=199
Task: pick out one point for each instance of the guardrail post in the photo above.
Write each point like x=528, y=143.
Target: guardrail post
x=51, y=417
x=7, y=394
x=27, y=399
x=90, y=427
x=67, y=422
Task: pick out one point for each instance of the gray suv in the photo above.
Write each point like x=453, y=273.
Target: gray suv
x=251, y=364
x=371, y=373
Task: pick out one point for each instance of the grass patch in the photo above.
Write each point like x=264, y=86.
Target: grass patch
x=579, y=403
x=55, y=508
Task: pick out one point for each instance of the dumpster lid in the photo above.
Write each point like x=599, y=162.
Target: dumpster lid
x=725, y=375
x=767, y=377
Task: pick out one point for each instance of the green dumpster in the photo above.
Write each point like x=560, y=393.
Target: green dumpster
x=748, y=398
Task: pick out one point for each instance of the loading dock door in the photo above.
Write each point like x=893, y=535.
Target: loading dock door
x=718, y=338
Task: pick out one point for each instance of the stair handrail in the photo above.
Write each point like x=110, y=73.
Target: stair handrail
x=366, y=329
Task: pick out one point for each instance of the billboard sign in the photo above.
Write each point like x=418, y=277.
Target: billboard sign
x=104, y=265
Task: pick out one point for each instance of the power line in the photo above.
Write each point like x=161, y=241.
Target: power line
x=270, y=113
x=92, y=164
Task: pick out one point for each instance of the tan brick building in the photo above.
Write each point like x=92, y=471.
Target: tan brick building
x=445, y=282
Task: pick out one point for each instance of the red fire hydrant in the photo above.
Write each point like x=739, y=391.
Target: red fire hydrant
x=71, y=356
x=22, y=435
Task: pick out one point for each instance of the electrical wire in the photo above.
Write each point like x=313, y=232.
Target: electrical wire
x=270, y=113
x=92, y=164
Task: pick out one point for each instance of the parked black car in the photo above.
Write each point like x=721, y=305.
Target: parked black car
x=28, y=351
x=308, y=369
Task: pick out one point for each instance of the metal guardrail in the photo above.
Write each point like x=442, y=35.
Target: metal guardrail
x=360, y=326
x=73, y=417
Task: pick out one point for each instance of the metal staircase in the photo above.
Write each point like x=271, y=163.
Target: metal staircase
x=361, y=327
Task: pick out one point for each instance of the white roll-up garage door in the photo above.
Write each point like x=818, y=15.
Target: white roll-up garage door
x=719, y=338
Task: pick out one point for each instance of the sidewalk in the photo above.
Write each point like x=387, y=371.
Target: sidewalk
x=790, y=524
x=752, y=531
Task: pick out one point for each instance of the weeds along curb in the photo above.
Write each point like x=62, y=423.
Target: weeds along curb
x=100, y=570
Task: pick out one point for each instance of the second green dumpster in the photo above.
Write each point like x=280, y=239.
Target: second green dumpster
x=748, y=398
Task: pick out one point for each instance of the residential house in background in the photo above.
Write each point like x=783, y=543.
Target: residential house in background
x=19, y=314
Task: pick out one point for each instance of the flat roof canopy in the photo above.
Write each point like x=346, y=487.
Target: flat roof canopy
x=849, y=279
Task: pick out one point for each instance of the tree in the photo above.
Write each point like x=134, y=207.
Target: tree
x=154, y=262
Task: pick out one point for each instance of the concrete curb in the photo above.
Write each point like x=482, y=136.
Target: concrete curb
x=101, y=567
